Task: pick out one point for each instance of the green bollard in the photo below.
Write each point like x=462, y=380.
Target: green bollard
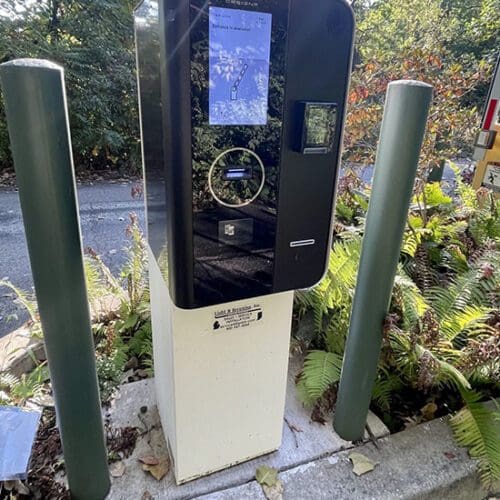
x=35, y=105
x=403, y=126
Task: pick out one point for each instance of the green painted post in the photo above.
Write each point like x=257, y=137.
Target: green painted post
x=35, y=105
x=403, y=126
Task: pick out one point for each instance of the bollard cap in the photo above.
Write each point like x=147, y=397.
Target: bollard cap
x=409, y=83
x=32, y=63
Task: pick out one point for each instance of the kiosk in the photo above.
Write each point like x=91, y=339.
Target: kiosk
x=242, y=109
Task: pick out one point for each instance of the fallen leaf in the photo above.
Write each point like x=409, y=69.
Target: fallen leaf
x=429, y=411
x=142, y=373
x=149, y=460
x=449, y=455
x=361, y=464
x=266, y=476
x=410, y=422
x=273, y=492
x=147, y=496
x=160, y=470
x=22, y=489
x=117, y=469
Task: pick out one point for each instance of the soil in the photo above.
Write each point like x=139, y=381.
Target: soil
x=47, y=463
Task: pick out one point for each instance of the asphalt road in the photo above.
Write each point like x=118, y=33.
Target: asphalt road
x=104, y=214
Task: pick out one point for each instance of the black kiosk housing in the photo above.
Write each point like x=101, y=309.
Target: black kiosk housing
x=242, y=112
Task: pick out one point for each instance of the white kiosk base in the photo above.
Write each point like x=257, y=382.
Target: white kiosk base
x=221, y=377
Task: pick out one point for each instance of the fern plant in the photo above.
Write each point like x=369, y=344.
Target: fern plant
x=321, y=370
x=118, y=336
x=477, y=428
x=441, y=335
x=30, y=305
x=481, y=208
x=17, y=390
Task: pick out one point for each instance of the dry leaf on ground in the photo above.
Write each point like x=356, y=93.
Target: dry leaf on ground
x=266, y=475
x=361, y=464
x=159, y=470
x=117, y=469
x=273, y=492
x=429, y=411
x=149, y=460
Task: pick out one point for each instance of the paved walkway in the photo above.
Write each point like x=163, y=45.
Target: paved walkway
x=313, y=462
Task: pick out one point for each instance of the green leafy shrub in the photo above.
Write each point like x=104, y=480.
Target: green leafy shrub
x=441, y=337
x=94, y=43
x=477, y=428
x=122, y=334
x=17, y=390
x=128, y=334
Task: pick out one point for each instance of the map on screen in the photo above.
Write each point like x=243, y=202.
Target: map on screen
x=239, y=54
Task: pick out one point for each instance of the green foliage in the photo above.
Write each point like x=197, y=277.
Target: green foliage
x=459, y=297
x=478, y=428
x=321, y=370
x=329, y=304
x=475, y=25
x=407, y=295
x=432, y=196
x=111, y=356
x=386, y=384
x=30, y=305
x=119, y=335
x=441, y=333
x=430, y=41
x=130, y=334
x=17, y=390
x=135, y=272
x=94, y=43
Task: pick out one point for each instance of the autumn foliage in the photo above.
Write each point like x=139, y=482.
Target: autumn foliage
x=415, y=39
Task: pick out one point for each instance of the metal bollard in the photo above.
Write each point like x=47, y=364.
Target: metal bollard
x=403, y=126
x=35, y=104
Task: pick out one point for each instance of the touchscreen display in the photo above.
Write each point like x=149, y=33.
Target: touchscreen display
x=240, y=46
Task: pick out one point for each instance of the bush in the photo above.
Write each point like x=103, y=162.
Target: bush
x=94, y=43
x=121, y=326
x=441, y=43
x=441, y=345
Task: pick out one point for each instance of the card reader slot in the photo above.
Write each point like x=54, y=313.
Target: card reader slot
x=237, y=173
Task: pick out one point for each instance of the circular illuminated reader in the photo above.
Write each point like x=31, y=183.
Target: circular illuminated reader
x=236, y=177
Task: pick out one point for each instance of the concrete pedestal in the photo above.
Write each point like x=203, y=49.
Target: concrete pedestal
x=221, y=375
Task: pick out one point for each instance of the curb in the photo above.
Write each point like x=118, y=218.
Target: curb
x=19, y=349
x=420, y=463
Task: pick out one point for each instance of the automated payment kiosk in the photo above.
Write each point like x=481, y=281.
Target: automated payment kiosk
x=242, y=108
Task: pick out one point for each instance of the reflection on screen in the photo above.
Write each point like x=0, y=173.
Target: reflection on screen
x=320, y=124
x=240, y=46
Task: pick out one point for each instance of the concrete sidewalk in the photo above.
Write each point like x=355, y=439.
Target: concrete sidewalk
x=423, y=462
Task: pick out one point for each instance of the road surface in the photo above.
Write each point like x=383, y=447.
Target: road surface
x=104, y=214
